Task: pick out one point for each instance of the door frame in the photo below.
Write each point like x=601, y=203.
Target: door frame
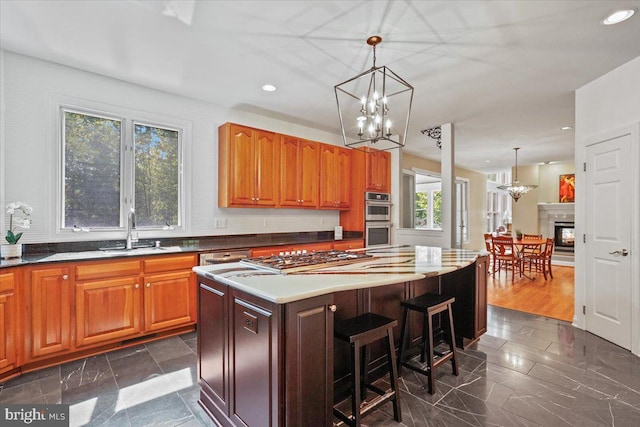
x=579, y=319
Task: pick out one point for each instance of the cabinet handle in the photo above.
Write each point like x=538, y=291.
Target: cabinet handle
x=148, y=285
x=136, y=286
x=65, y=277
x=332, y=308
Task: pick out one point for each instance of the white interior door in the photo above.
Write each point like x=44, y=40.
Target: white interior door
x=608, y=239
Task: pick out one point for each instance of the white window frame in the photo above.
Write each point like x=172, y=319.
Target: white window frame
x=128, y=118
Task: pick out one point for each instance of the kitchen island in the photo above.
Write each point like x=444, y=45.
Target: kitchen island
x=266, y=354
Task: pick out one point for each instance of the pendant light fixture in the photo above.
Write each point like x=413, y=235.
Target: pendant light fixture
x=374, y=107
x=515, y=189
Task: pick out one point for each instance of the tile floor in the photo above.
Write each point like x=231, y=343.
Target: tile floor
x=526, y=370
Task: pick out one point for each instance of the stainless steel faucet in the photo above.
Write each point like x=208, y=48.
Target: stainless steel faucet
x=131, y=225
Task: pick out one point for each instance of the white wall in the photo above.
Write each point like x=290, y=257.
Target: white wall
x=607, y=103
x=29, y=149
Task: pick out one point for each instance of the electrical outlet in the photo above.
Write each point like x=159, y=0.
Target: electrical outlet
x=221, y=222
x=266, y=223
x=321, y=221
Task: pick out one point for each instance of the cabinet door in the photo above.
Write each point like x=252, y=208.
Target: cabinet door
x=299, y=172
x=254, y=357
x=266, y=168
x=378, y=171
x=328, y=177
x=241, y=166
x=169, y=300
x=289, y=172
x=50, y=311
x=213, y=343
x=309, y=362
x=8, y=320
x=108, y=309
x=344, y=173
x=309, y=173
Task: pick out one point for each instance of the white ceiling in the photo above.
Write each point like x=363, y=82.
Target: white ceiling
x=504, y=72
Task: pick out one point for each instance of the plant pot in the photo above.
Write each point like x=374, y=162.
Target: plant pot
x=11, y=251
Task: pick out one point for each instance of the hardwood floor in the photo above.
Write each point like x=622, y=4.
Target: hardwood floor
x=550, y=298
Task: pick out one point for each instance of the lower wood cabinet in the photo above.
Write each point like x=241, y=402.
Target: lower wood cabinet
x=49, y=310
x=169, y=300
x=8, y=319
x=92, y=306
x=107, y=310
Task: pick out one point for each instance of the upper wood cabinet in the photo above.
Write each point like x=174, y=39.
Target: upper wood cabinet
x=247, y=167
x=378, y=171
x=335, y=177
x=8, y=319
x=299, y=161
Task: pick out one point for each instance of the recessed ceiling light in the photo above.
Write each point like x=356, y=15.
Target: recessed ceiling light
x=566, y=128
x=269, y=88
x=487, y=161
x=618, y=16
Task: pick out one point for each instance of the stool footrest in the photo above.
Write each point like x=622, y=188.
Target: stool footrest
x=367, y=406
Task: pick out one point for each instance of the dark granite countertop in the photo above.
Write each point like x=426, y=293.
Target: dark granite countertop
x=75, y=251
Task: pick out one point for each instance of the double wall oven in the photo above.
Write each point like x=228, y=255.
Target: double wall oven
x=377, y=217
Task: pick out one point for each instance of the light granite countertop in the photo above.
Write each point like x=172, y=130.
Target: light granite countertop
x=389, y=265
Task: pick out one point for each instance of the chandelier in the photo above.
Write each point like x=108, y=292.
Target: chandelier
x=515, y=189
x=374, y=107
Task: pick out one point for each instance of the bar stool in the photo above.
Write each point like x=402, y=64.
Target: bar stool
x=360, y=331
x=429, y=305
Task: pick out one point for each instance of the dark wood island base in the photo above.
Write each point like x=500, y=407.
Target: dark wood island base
x=262, y=363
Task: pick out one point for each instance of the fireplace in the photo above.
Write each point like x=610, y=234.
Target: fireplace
x=564, y=236
x=556, y=220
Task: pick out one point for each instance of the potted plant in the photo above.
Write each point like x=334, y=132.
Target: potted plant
x=21, y=211
x=518, y=234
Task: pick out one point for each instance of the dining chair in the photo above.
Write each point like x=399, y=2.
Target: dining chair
x=542, y=261
x=531, y=250
x=488, y=245
x=506, y=255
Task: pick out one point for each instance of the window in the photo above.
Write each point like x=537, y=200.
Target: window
x=107, y=171
x=498, y=204
x=428, y=202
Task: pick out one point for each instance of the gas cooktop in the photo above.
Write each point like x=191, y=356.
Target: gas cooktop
x=302, y=261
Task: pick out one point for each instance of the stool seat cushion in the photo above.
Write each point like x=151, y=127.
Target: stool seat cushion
x=350, y=330
x=425, y=302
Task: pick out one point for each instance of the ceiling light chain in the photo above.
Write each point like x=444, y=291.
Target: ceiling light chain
x=434, y=133
x=515, y=189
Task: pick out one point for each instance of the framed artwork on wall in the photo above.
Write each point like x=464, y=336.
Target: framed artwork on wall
x=567, y=189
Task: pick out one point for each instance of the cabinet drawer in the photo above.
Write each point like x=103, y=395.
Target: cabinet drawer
x=107, y=269
x=7, y=281
x=159, y=264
